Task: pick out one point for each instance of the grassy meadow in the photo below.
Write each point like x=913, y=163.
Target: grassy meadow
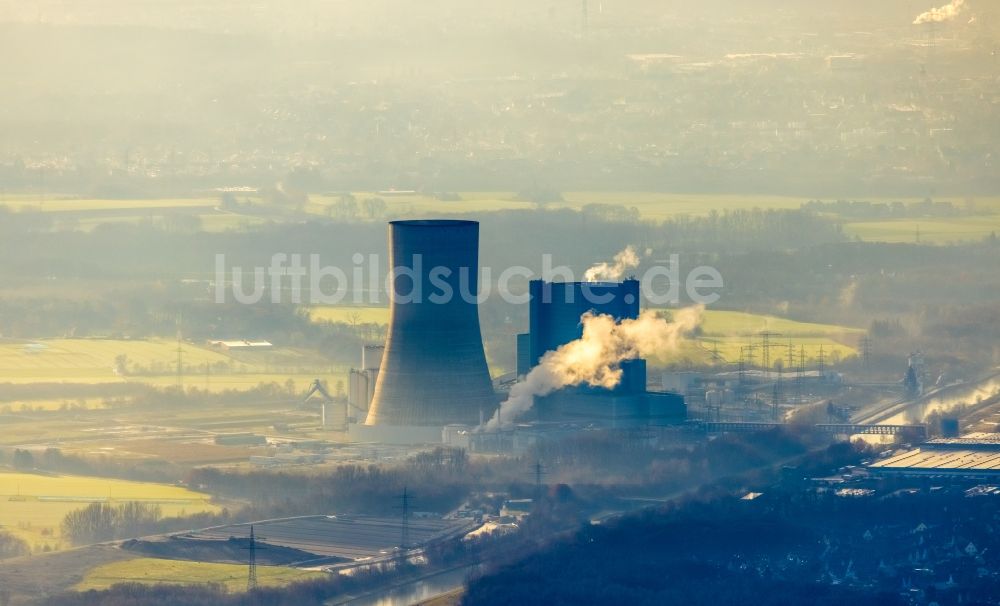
x=933, y=230
x=32, y=506
x=353, y=314
x=149, y=361
x=152, y=571
x=86, y=213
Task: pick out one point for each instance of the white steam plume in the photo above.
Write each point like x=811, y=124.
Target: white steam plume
x=596, y=357
x=623, y=261
x=945, y=13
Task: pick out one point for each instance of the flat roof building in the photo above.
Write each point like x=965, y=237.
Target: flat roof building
x=972, y=456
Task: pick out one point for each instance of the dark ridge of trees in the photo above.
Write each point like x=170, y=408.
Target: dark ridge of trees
x=750, y=230
x=99, y=522
x=625, y=460
x=789, y=546
x=12, y=546
x=443, y=479
x=863, y=209
x=349, y=488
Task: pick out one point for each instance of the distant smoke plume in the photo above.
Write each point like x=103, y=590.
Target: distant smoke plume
x=596, y=357
x=623, y=261
x=945, y=13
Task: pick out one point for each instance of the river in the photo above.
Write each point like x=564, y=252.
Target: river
x=414, y=592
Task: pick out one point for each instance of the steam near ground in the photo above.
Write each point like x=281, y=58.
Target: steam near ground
x=595, y=359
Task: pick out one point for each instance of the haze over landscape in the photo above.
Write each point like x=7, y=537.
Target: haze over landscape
x=445, y=302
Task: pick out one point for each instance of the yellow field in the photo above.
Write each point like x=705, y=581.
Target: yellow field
x=153, y=361
x=932, y=230
x=55, y=204
x=652, y=206
x=349, y=314
x=726, y=332
x=184, y=572
x=737, y=323
x=242, y=382
x=51, y=404
x=32, y=506
x=658, y=206
x=92, y=360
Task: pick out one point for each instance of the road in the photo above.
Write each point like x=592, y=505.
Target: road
x=939, y=398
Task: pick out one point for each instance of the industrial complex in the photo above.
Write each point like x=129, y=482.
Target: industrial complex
x=431, y=381
x=554, y=317
x=974, y=455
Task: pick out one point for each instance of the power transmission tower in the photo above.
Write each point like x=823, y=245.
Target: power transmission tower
x=746, y=358
x=252, y=572
x=866, y=351
x=765, y=338
x=180, y=355
x=775, y=398
x=822, y=362
x=539, y=472
x=800, y=375
x=404, y=532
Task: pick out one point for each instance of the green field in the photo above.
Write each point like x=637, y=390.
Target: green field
x=739, y=324
x=93, y=360
x=353, y=314
x=651, y=205
x=724, y=334
x=943, y=230
x=151, y=361
x=57, y=204
x=184, y=572
x=32, y=506
x=86, y=213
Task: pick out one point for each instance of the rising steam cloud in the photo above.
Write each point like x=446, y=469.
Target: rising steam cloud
x=945, y=13
x=623, y=261
x=595, y=358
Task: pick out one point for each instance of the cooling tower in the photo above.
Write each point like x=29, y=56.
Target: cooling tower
x=434, y=369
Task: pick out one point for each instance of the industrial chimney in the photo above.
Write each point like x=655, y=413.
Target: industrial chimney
x=433, y=370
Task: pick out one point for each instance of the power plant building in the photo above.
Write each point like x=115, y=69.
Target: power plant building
x=554, y=320
x=433, y=371
x=361, y=382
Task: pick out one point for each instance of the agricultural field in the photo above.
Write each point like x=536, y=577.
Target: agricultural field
x=933, y=230
x=85, y=214
x=32, y=506
x=724, y=332
x=152, y=362
x=93, y=360
x=651, y=206
x=62, y=204
x=184, y=572
x=352, y=314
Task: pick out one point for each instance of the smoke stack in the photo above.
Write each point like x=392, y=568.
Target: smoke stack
x=434, y=370
x=941, y=14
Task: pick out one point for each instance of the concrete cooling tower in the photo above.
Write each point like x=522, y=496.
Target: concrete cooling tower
x=434, y=370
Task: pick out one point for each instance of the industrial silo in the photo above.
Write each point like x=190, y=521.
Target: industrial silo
x=433, y=371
